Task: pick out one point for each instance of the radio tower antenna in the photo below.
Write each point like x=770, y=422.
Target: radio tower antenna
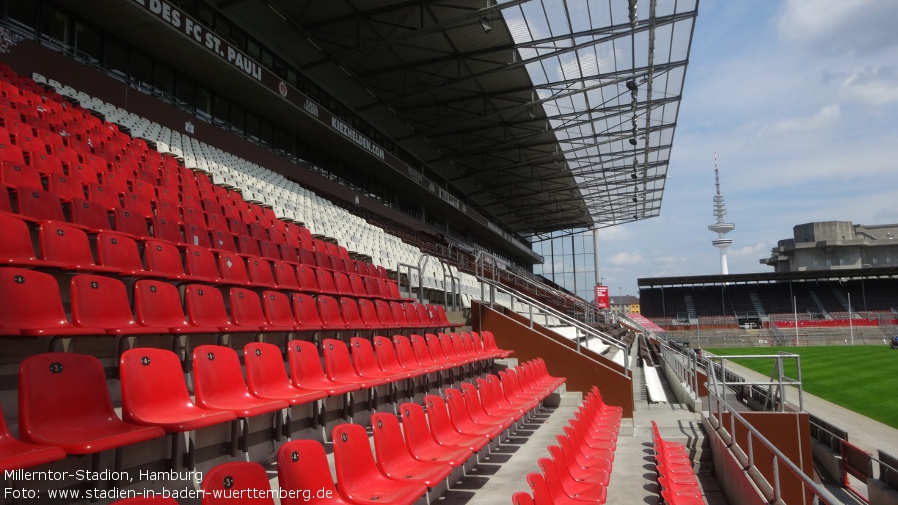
x=721, y=227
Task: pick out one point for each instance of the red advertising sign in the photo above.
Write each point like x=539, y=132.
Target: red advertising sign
x=602, y=301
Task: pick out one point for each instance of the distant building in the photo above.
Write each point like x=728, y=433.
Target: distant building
x=835, y=245
x=625, y=304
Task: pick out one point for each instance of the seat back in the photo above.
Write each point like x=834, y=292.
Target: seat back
x=368, y=312
x=337, y=362
x=414, y=426
x=349, y=309
x=59, y=391
x=118, y=251
x=389, y=446
x=205, y=306
x=304, y=474
x=307, y=278
x=93, y=215
x=358, y=286
x=363, y=357
x=200, y=262
x=329, y=311
x=342, y=285
x=399, y=315
x=384, y=314
x=305, y=362
x=264, y=366
x=158, y=304
x=404, y=352
x=242, y=482
x=16, y=245
x=305, y=311
x=521, y=498
x=216, y=374
x=101, y=302
x=65, y=244
x=385, y=354
x=232, y=268
x=421, y=347
x=31, y=301
x=259, y=271
x=540, y=490
x=285, y=276
x=276, y=306
x=246, y=308
x=353, y=459
x=130, y=222
x=151, y=380
x=163, y=258
x=438, y=416
x=39, y=204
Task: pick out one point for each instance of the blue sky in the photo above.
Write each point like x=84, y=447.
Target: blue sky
x=799, y=99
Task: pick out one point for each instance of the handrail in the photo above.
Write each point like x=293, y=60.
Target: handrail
x=717, y=365
x=485, y=259
x=409, y=267
x=779, y=461
x=580, y=327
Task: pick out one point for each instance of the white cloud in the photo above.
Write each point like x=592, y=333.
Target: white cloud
x=626, y=258
x=876, y=86
x=753, y=251
x=839, y=26
x=827, y=116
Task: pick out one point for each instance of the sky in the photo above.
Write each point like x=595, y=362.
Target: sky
x=799, y=99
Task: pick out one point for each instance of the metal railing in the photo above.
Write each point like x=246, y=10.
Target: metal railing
x=720, y=378
x=582, y=330
x=747, y=456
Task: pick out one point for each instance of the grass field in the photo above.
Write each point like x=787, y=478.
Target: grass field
x=861, y=378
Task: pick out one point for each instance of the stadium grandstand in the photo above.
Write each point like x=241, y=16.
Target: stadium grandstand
x=283, y=252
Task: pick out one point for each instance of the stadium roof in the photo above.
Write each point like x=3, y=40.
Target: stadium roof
x=770, y=277
x=522, y=105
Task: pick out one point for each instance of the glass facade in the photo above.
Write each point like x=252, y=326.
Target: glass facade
x=570, y=261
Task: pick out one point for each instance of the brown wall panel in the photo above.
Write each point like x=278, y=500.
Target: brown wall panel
x=582, y=372
x=790, y=433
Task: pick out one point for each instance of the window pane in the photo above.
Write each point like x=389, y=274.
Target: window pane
x=88, y=42
x=54, y=24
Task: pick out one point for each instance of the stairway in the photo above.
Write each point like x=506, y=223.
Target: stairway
x=756, y=302
x=690, y=309
x=818, y=303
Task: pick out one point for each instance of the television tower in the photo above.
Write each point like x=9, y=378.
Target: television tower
x=721, y=227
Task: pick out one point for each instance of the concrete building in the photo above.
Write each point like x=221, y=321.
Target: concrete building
x=835, y=245
x=626, y=304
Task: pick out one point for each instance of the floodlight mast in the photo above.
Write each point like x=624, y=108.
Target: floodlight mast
x=721, y=227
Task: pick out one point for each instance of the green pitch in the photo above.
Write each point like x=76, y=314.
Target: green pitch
x=860, y=378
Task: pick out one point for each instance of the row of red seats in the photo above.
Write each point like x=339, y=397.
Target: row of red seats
x=69, y=248
x=172, y=215
x=34, y=306
x=39, y=206
x=579, y=469
x=64, y=401
x=676, y=476
x=411, y=459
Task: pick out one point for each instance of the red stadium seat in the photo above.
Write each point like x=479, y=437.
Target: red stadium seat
x=154, y=393
x=206, y=307
x=329, y=311
x=285, y=276
x=349, y=310
x=461, y=418
x=242, y=482
x=64, y=401
x=307, y=373
x=394, y=459
x=444, y=431
x=567, y=491
x=267, y=378
x=39, y=205
x=306, y=312
x=158, y=304
x=32, y=305
x=339, y=368
x=302, y=467
x=15, y=454
x=16, y=248
x=102, y=302
x=90, y=215
x=246, y=310
x=359, y=479
x=69, y=246
x=421, y=443
x=365, y=362
x=218, y=384
x=200, y=263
